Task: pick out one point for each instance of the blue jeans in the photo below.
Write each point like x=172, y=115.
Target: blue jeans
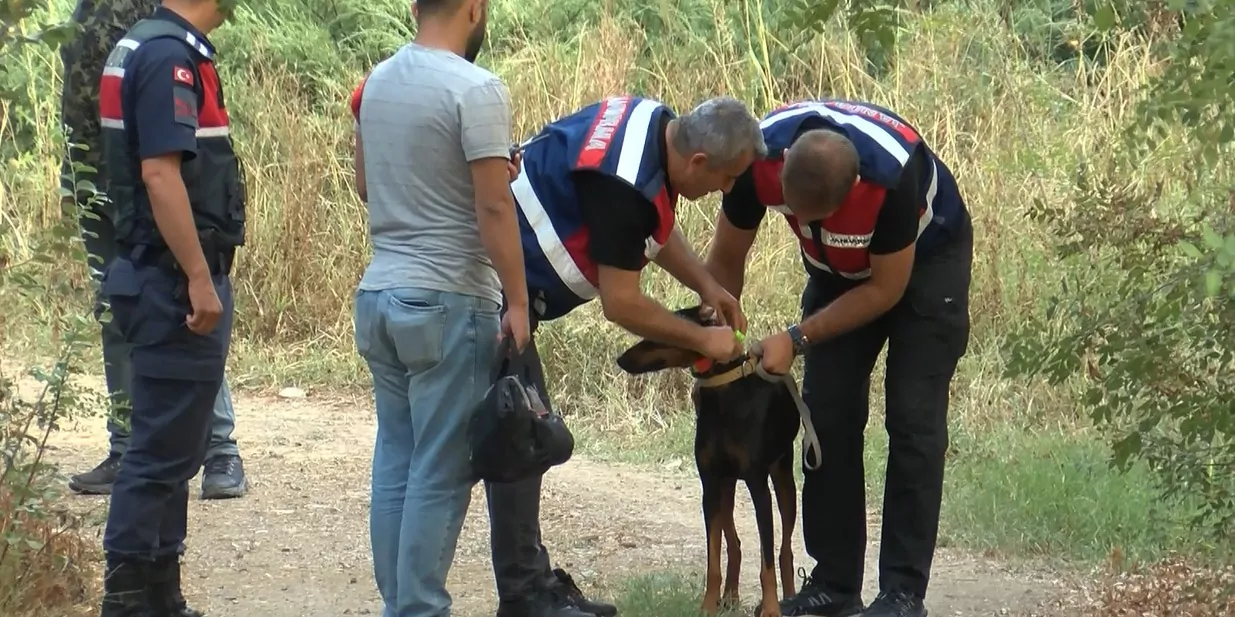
x=430, y=353
x=99, y=236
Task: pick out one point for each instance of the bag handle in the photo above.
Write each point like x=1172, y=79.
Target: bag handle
x=510, y=362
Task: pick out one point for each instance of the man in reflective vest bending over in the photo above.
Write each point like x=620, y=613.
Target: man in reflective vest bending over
x=887, y=245
x=597, y=193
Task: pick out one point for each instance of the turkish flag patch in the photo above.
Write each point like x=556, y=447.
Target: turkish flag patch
x=183, y=75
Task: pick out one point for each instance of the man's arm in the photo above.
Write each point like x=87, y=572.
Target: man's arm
x=891, y=260
x=619, y=220
x=165, y=117
x=362, y=189
x=485, y=114
x=737, y=223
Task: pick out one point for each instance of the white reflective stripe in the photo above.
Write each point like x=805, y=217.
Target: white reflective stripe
x=931, y=192
x=113, y=71
x=111, y=123
x=546, y=236
x=781, y=209
x=127, y=44
x=214, y=131
x=634, y=141
x=870, y=129
x=849, y=275
x=198, y=45
x=652, y=248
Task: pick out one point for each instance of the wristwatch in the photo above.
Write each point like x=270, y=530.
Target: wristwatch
x=799, y=340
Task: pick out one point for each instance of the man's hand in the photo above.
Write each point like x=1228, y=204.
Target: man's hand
x=516, y=157
x=776, y=353
x=206, y=306
x=515, y=326
x=720, y=344
x=726, y=308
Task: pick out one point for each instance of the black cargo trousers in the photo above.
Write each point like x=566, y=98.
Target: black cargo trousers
x=521, y=563
x=926, y=333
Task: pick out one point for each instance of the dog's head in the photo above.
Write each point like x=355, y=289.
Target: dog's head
x=650, y=356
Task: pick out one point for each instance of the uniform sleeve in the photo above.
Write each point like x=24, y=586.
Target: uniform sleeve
x=164, y=88
x=485, y=117
x=618, y=218
x=357, y=95
x=741, y=205
x=897, y=225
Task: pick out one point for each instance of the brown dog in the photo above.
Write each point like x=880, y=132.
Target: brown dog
x=745, y=426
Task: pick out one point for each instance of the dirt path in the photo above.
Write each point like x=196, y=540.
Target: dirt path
x=297, y=545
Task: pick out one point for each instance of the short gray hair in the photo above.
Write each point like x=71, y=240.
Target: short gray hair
x=722, y=128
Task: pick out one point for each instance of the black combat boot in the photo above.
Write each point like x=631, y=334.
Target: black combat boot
x=566, y=586
x=165, y=596
x=124, y=589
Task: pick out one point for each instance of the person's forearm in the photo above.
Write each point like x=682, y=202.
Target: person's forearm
x=853, y=309
x=730, y=275
x=646, y=318
x=677, y=258
x=173, y=216
x=499, y=232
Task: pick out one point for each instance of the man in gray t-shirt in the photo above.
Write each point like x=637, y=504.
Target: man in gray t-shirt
x=432, y=149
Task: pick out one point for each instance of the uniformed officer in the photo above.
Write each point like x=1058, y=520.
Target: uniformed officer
x=100, y=26
x=597, y=198
x=886, y=241
x=179, y=199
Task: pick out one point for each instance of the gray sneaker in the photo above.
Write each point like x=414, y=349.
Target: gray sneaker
x=223, y=477
x=97, y=481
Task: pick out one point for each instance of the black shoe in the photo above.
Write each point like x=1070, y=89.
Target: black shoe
x=124, y=589
x=549, y=604
x=572, y=592
x=223, y=477
x=163, y=590
x=816, y=600
x=896, y=604
x=97, y=481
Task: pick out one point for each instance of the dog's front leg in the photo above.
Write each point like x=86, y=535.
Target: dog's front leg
x=733, y=551
x=787, y=501
x=769, y=605
x=714, y=524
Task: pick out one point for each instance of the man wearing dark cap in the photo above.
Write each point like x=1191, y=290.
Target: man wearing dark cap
x=887, y=245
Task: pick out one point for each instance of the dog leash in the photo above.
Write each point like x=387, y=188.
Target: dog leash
x=810, y=439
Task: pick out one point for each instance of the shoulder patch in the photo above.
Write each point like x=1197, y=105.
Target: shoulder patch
x=183, y=76
x=186, y=107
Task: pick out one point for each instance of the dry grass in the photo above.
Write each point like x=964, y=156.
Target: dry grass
x=1168, y=588
x=45, y=565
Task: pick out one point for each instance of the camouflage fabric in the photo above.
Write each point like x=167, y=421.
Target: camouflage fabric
x=100, y=23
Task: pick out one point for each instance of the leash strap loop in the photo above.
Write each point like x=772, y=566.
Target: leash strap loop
x=810, y=439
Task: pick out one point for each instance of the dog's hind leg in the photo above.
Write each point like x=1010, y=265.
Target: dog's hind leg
x=787, y=502
x=714, y=489
x=733, y=551
x=769, y=605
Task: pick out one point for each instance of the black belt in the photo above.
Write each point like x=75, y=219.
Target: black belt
x=218, y=261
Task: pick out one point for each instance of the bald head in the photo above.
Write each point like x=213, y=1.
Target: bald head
x=820, y=168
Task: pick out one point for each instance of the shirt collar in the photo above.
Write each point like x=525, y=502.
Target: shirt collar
x=196, y=38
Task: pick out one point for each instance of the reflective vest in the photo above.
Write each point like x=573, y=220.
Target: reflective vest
x=213, y=178
x=838, y=245
x=617, y=137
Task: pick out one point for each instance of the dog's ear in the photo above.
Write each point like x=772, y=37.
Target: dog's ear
x=649, y=356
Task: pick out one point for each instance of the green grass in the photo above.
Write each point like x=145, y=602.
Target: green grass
x=1015, y=493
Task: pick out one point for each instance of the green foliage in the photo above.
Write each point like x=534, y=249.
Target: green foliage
x=1157, y=353
x=33, y=560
